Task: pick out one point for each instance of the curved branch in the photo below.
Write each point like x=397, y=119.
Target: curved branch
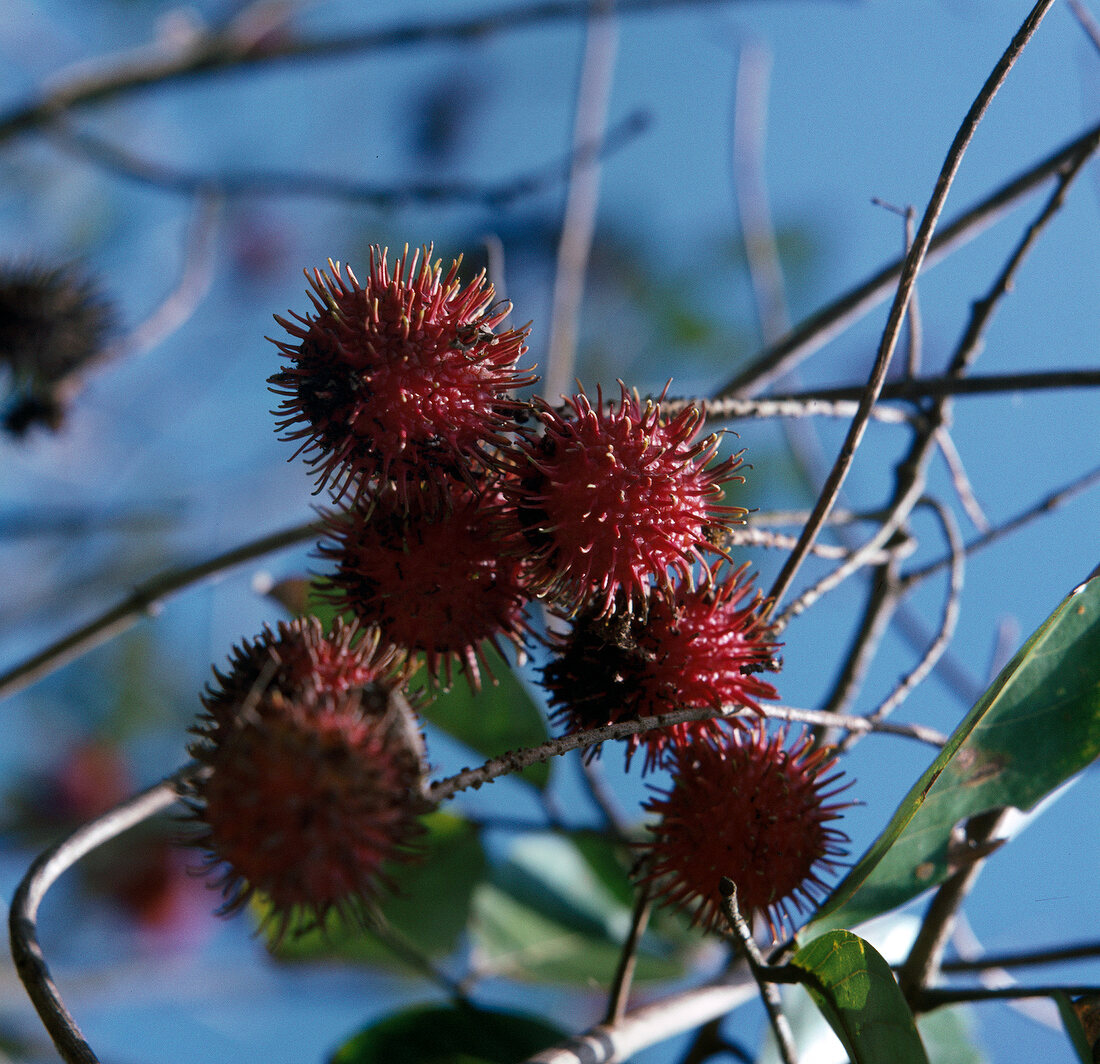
x=248, y=41
x=100, y=152
x=43, y=873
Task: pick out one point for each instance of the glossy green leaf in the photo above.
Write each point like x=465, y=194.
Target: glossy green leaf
x=546, y=915
x=516, y=941
x=1034, y=728
x=857, y=993
x=949, y=1036
x=609, y=862
x=460, y=1034
x=429, y=907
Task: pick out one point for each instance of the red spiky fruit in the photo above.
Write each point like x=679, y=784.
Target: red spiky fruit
x=312, y=764
x=613, y=501
x=746, y=807
x=695, y=648
x=441, y=580
x=400, y=379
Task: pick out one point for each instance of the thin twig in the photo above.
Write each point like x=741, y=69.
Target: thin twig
x=760, y=537
x=824, y=718
x=100, y=152
x=798, y=404
x=1044, y=506
x=517, y=760
x=241, y=45
x=146, y=600
x=769, y=992
x=981, y=313
x=928, y=1000
x=960, y=481
x=628, y=958
x=1088, y=23
x=913, y=320
x=910, y=269
x=922, y=966
x=579, y=220
x=883, y=598
x=857, y=558
x=1026, y=958
x=750, y=123
x=43, y=873
x=851, y=306
x=194, y=282
x=884, y=601
x=948, y=621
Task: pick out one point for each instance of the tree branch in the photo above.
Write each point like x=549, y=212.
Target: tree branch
x=144, y=601
x=913, y=262
x=43, y=873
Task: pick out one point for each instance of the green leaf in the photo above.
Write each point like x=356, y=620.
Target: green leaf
x=547, y=916
x=460, y=1034
x=515, y=941
x=858, y=995
x=948, y=1035
x=429, y=908
x=1034, y=728
x=604, y=858
x=502, y=717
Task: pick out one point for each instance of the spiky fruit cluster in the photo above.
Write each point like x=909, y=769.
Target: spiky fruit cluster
x=695, y=648
x=401, y=379
x=746, y=807
x=54, y=322
x=614, y=501
x=442, y=580
x=313, y=769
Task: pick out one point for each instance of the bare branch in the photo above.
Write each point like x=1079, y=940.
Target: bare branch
x=579, y=222
x=919, y=388
x=948, y=621
x=243, y=44
x=1026, y=958
x=43, y=873
x=118, y=160
x=910, y=269
x=624, y=973
x=769, y=992
x=832, y=320
x=937, y=997
x=144, y=601
x=960, y=481
x=922, y=966
x=651, y=1024
x=1045, y=505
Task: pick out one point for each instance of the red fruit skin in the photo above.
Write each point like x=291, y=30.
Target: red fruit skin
x=442, y=580
x=615, y=500
x=401, y=379
x=312, y=781
x=747, y=808
x=695, y=648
